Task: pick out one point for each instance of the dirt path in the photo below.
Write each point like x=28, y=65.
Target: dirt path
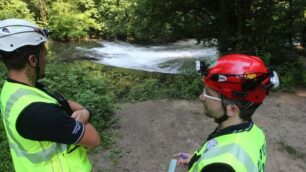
x=150, y=132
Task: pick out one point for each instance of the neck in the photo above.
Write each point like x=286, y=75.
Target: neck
x=231, y=121
x=23, y=76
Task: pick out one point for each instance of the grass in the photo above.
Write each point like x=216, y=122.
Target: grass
x=5, y=157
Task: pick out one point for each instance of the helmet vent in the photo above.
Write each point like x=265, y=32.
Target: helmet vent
x=215, y=77
x=12, y=45
x=222, y=78
x=5, y=30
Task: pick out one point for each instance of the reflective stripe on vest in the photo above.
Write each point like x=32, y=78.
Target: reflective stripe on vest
x=234, y=149
x=47, y=153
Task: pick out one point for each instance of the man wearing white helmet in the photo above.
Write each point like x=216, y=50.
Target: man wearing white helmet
x=45, y=132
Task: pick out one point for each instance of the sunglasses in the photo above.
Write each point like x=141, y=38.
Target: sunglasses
x=210, y=97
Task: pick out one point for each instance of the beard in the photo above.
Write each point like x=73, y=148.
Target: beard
x=42, y=75
x=207, y=112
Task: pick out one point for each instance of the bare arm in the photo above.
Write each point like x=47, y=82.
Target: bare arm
x=79, y=112
x=91, y=137
x=75, y=106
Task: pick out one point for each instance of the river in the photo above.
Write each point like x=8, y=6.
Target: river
x=169, y=58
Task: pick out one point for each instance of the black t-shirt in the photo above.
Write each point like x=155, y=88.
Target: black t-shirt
x=222, y=167
x=48, y=122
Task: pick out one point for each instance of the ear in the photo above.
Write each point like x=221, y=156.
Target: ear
x=232, y=110
x=32, y=61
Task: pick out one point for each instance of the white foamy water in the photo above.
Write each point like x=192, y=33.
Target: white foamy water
x=164, y=59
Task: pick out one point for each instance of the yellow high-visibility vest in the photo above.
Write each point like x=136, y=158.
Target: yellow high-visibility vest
x=30, y=155
x=243, y=151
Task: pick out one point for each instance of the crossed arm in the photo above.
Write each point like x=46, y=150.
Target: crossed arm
x=91, y=137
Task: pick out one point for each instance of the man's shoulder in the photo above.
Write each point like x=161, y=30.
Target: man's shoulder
x=42, y=107
x=44, y=121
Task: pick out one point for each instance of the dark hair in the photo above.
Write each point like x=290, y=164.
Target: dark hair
x=17, y=59
x=247, y=108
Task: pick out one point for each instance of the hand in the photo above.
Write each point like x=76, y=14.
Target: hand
x=81, y=115
x=74, y=105
x=183, y=159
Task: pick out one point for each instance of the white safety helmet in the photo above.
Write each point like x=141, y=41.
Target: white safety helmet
x=16, y=33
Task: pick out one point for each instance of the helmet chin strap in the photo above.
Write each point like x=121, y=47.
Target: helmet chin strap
x=224, y=117
x=37, y=68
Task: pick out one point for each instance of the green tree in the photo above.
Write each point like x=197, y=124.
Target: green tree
x=70, y=20
x=115, y=17
x=40, y=8
x=15, y=9
x=268, y=28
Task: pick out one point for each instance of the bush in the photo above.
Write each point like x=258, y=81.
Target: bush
x=84, y=83
x=5, y=156
x=15, y=9
x=288, y=66
x=187, y=86
x=146, y=90
x=139, y=87
x=304, y=79
x=286, y=63
x=290, y=75
x=68, y=22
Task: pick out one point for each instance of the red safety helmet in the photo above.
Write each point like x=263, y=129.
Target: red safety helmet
x=240, y=77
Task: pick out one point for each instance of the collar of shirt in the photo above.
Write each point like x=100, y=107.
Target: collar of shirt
x=231, y=129
x=14, y=81
x=39, y=85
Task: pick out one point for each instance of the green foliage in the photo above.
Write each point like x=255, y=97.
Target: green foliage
x=69, y=22
x=5, y=157
x=15, y=9
x=150, y=21
x=84, y=83
x=304, y=79
x=131, y=86
x=286, y=76
x=266, y=57
x=187, y=86
x=115, y=17
x=143, y=91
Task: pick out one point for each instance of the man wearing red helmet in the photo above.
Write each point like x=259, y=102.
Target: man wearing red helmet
x=235, y=86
